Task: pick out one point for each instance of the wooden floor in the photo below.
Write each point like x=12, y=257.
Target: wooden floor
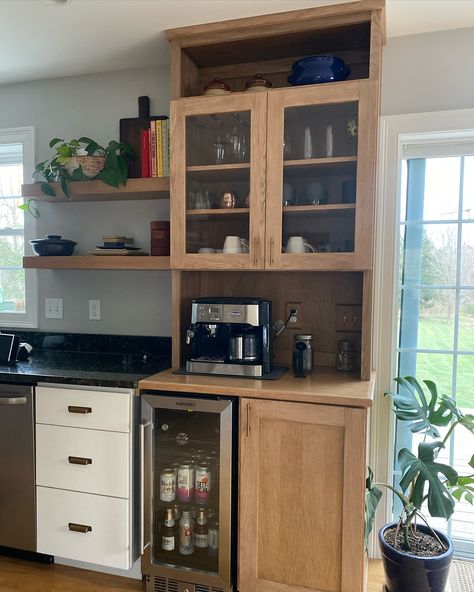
x=26, y=576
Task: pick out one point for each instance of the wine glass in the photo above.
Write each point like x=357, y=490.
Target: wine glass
x=237, y=140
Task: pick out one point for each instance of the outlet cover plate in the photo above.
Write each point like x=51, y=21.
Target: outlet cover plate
x=94, y=310
x=349, y=318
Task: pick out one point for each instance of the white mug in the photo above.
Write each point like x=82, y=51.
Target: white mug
x=235, y=244
x=297, y=244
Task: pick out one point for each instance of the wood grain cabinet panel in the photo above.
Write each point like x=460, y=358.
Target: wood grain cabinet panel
x=301, y=497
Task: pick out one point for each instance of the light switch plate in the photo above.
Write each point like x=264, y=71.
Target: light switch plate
x=53, y=308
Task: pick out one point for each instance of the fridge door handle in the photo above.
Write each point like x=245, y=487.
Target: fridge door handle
x=143, y=498
x=13, y=400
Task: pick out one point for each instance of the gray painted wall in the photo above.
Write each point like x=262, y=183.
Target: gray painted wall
x=421, y=73
x=136, y=303
x=429, y=72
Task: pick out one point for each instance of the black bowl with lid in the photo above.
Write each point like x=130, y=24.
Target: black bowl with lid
x=51, y=245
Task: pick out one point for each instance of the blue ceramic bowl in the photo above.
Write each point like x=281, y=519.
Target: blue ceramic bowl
x=316, y=69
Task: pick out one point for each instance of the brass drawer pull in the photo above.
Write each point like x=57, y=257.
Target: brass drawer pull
x=79, y=527
x=75, y=409
x=79, y=460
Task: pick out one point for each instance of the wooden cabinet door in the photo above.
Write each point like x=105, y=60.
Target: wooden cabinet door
x=218, y=159
x=321, y=153
x=301, y=500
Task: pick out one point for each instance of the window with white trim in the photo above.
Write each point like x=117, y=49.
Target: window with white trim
x=17, y=285
x=436, y=295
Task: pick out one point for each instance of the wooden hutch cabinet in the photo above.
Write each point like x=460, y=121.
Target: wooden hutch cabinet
x=268, y=166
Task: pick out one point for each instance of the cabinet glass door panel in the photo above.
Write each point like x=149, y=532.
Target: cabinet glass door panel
x=319, y=178
x=218, y=156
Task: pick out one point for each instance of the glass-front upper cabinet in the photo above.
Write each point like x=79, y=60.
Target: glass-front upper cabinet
x=320, y=161
x=218, y=184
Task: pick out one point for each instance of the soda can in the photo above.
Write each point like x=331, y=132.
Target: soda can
x=186, y=534
x=185, y=489
x=167, y=485
x=202, y=484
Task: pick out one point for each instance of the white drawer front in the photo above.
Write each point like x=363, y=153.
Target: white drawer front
x=99, y=410
x=106, y=544
x=58, y=449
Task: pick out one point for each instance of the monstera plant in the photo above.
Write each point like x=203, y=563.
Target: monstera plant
x=416, y=556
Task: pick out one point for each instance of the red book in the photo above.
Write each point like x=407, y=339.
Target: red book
x=145, y=153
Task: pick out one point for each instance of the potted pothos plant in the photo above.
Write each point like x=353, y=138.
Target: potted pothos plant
x=416, y=556
x=81, y=160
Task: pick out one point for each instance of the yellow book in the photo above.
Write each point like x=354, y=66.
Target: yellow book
x=159, y=147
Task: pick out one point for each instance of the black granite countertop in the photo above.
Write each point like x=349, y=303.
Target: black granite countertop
x=67, y=362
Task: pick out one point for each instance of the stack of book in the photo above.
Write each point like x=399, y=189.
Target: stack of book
x=155, y=149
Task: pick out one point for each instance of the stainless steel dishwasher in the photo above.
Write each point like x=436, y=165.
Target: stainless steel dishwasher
x=17, y=467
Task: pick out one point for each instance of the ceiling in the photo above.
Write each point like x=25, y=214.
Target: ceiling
x=41, y=40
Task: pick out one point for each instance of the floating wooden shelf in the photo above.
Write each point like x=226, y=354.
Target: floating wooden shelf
x=136, y=262
x=320, y=209
x=218, y=213
x=135, y=189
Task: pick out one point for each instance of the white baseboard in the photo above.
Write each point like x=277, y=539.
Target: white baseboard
x=134, y=572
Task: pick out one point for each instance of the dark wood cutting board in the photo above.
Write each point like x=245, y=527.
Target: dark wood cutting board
x=131, y=132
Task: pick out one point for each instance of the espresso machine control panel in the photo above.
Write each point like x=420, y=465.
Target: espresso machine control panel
x=248, y=314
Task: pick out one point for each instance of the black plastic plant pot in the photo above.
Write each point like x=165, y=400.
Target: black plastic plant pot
x=408, y=573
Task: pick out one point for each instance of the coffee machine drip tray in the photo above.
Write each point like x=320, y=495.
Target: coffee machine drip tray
x=208, y=365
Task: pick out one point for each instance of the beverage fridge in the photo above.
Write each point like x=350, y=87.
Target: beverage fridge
x=188, y=476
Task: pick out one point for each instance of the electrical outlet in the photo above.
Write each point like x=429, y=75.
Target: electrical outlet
x=94, y=310
x=53, y=308
x=349, y=317
x=295, y=320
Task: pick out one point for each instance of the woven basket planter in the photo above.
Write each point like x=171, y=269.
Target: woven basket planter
x=91, y=165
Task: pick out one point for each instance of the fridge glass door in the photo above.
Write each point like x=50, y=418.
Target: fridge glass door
x=191, y=456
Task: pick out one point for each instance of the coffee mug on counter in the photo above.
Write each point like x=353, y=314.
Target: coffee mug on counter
x=235, y=244
x=297, y=244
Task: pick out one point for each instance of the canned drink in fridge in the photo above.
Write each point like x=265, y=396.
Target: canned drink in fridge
x=202, y=484
x=185, y=488
x=167, y=485
x=186, y=534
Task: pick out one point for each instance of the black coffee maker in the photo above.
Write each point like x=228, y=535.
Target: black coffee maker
x=230, y=336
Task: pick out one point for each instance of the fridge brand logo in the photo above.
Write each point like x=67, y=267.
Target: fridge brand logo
x=185, y=404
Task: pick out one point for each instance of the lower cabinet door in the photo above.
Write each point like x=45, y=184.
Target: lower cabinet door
x=301, y=497
x=84, y=527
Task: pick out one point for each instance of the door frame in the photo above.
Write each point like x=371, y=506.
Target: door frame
x=395, y=131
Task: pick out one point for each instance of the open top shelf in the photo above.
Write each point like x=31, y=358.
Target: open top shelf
x=137, y=262
x=135, y=189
